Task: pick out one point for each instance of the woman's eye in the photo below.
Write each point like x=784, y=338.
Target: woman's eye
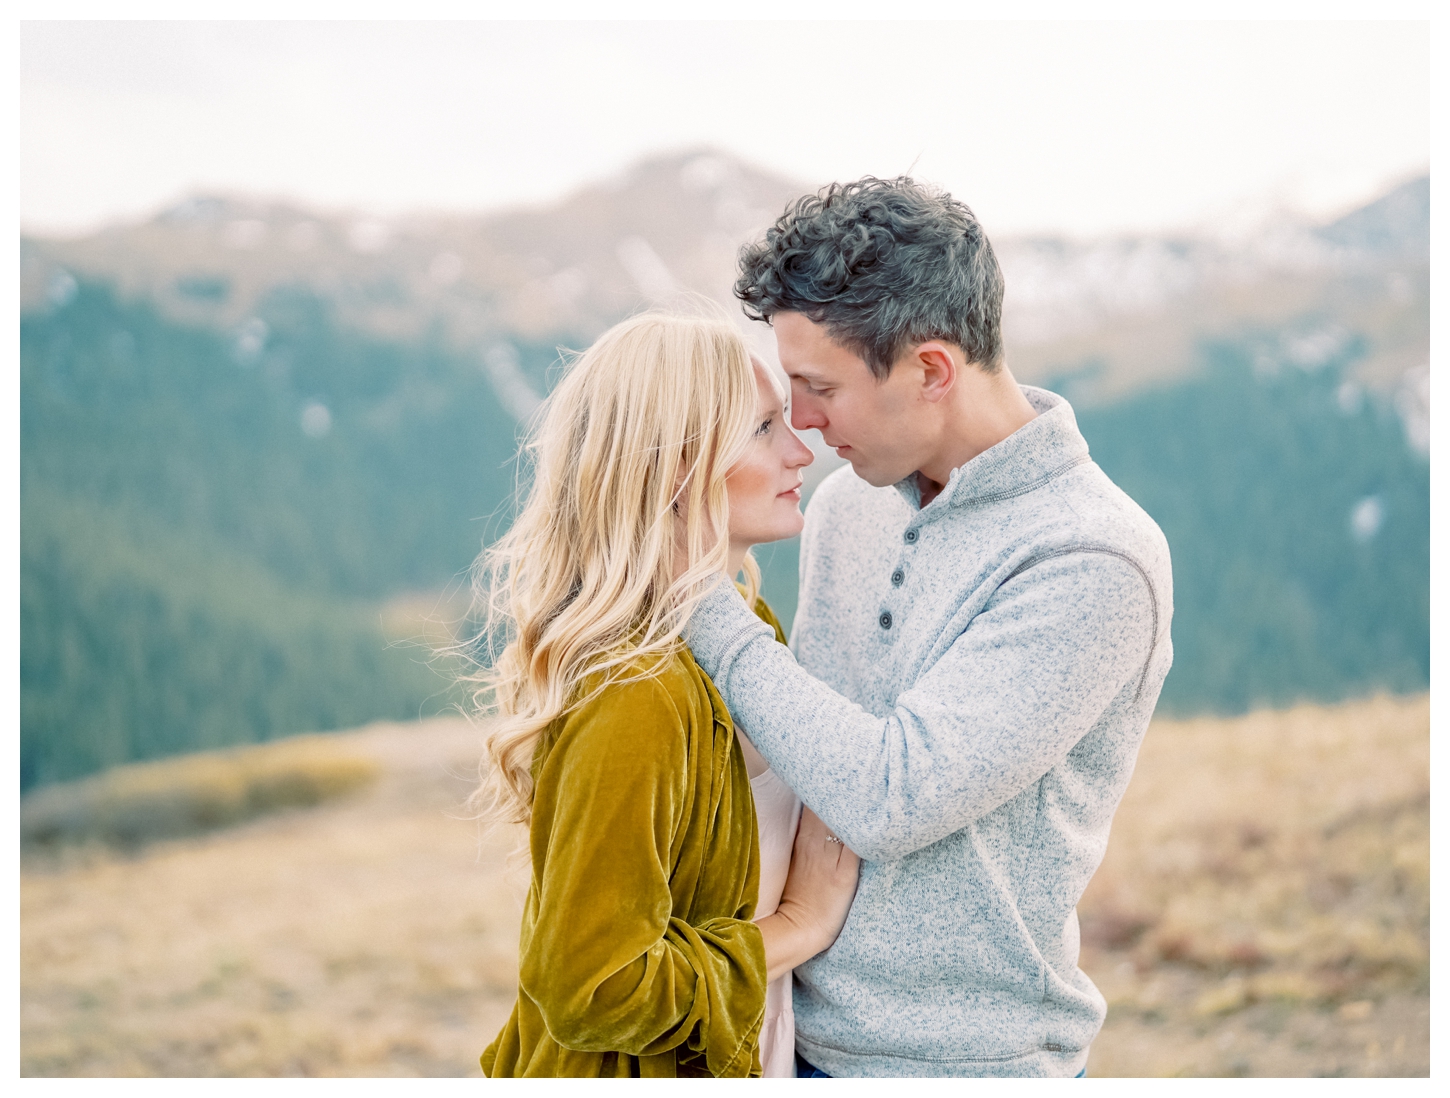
x=764, y=428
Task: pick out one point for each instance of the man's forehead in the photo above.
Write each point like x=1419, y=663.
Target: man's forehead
x=812, y=369
x=807, y=351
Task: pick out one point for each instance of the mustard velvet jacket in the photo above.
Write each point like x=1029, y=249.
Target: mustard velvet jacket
x=637, y=954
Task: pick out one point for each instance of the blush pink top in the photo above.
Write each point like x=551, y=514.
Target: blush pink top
x=777, y=813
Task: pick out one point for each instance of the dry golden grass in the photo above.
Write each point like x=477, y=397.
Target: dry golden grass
x=1263, y=909
x=178, y=796
x=374, y=935
x=1264, y=905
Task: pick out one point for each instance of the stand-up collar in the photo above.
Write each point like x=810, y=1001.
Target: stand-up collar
x=1034, y=454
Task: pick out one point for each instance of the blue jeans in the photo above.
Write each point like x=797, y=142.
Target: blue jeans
x=804, y=1069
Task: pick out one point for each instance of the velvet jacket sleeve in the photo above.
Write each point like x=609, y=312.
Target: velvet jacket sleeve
x=645, y=876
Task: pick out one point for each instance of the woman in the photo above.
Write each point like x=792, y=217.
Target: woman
x=659, y=460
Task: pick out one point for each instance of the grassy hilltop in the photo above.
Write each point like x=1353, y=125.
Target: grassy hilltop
x=1268, y=915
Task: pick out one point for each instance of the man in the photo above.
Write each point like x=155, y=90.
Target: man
x=981, y=638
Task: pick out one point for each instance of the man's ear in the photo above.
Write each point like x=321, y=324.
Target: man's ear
x=938, y=370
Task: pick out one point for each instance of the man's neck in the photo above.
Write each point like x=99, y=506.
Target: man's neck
x=927, y=488
x=986, y=409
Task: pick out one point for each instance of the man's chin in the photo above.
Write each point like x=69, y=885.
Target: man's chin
x=876, y=477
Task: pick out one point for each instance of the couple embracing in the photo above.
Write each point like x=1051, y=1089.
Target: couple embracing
x=859, y=853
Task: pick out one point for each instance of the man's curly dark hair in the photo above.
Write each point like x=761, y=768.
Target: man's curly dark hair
x=881, y=264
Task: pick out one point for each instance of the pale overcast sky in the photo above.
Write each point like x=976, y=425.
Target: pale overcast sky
x=1077, y=127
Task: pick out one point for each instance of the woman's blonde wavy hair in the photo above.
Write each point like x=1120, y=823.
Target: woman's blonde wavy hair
x=633, y=444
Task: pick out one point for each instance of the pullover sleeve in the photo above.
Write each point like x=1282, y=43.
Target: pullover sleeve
x=606, y=962
x=1005, y=703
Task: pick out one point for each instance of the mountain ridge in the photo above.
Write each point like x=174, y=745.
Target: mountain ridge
x=1130, y=307
x=230, y=470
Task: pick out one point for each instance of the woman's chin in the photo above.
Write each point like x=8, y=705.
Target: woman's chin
x=788, y=528
x=766, y=537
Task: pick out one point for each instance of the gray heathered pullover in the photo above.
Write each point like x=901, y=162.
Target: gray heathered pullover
x=974, y=680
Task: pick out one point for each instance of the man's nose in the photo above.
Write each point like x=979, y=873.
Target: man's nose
x=805, y=413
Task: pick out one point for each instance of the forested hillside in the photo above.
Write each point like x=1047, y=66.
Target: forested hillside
x=207, y=525
x=213, y=515
x=1299, y=522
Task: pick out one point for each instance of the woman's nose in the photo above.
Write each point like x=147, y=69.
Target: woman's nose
x=799, y=454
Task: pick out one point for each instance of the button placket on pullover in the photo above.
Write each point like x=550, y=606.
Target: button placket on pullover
x=886, y=618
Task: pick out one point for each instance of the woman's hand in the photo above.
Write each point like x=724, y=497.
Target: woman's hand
x=816, y=899
x=822, y=881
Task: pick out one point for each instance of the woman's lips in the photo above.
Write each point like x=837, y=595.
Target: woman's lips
x=791, y=493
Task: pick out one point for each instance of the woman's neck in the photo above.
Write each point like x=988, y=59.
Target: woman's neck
x=736, y=560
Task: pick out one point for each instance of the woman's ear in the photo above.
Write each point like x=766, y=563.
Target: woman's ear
x=680, y=473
